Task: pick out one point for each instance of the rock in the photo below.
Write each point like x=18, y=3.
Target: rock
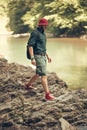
x=65, y=125
x=84, y=37
x=22, y=109
x=3, y=62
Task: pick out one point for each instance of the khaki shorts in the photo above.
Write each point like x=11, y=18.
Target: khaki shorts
x=41, y=64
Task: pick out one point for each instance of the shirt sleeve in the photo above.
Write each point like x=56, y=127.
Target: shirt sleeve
x=32, y=39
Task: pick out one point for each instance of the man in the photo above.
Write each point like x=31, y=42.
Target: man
x=39, y=56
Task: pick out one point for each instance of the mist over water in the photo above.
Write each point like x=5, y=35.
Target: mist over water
x=69, y=57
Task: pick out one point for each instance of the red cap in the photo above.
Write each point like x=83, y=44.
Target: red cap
x=43, y=21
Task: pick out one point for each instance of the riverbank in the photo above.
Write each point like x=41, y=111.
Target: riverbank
x=49, y=35
x=5, y=31
x=28, y=110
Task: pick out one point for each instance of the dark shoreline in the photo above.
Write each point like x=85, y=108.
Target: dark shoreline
x=49, y=35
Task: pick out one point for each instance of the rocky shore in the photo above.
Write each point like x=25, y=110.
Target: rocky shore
x=84, y=37
x=22, y=109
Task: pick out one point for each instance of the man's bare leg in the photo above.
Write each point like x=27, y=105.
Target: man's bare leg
x=32, y=80
x=44, y=83
x=48, y=95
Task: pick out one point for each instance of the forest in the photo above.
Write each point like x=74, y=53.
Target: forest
x=66, y=17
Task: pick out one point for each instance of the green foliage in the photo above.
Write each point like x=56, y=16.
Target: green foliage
x=36, y=11
x=66, y=17
x=83, y=3
x=3, y=5
x=16, y=9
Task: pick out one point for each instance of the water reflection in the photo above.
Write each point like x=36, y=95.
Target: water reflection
x=68, y=57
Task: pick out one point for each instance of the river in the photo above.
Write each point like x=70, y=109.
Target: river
x=69, y=57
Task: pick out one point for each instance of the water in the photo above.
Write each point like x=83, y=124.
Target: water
x=69, y=57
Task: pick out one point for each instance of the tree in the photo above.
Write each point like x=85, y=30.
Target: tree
x=16, y=9
x=37, y=10
x=3, y=6
x=66, y=17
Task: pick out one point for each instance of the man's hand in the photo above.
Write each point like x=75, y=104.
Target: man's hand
x=49, y=60
x=33, y=62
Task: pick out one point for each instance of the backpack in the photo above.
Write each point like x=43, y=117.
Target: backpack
x=27, y=48
x=28, y=53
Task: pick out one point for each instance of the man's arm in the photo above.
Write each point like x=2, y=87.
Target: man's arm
x=49, y=59
x=31, y=52
x=32, y=55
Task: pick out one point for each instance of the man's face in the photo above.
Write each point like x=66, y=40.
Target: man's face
x=44, y=27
